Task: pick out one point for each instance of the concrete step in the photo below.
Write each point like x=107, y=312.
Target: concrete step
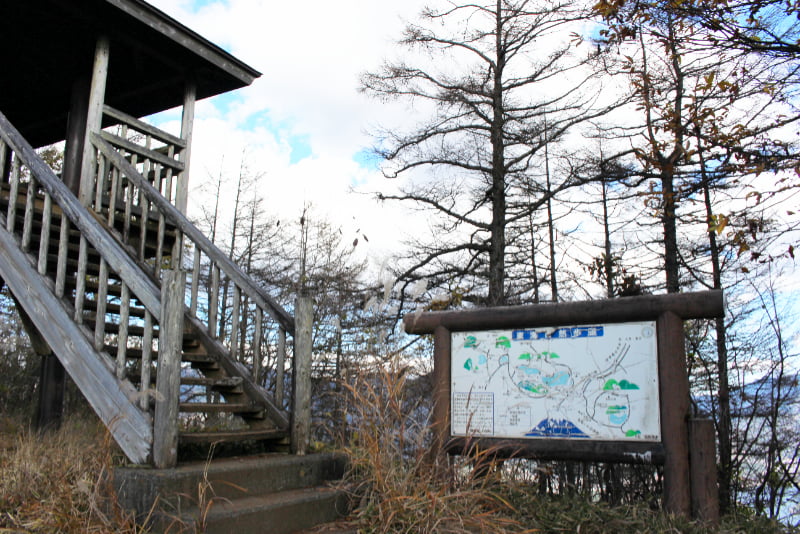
x=275, y=513
x=264, y=493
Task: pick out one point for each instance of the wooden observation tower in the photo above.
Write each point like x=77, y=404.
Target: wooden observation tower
x=169, y=341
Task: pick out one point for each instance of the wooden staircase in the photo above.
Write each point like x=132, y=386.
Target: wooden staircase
x=166, y=337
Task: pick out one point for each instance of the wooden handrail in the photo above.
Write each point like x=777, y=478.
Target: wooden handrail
x=143, y=127
x=146, y=291
x=191, y=232
x=148, y=153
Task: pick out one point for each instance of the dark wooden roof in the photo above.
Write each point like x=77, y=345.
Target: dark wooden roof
x=48, y=44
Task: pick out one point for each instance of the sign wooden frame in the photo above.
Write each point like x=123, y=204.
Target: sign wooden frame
x=684, y=483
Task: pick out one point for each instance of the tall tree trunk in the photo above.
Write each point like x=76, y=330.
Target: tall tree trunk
x=608, y=264
x=667, y=166
x=498, y=188
x=669, y=223
x=725, y=474
x=534, y=270
x=550, y=226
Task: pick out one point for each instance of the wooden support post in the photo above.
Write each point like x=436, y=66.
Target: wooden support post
x=94, y=118
x=674, y=391
x=301, y=412
x=76, y=133
x=170, y=339
x=52, y=385
x=441, y=388
x=703, y=475
x=52, y=375
x=187, y=127
x=5, y=162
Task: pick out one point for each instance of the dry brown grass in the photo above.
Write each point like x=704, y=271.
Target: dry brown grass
x=397, y=485
x=59, y=481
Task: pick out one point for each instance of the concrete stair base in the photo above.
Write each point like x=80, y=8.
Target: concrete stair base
x=277, y=513
x=269, y=494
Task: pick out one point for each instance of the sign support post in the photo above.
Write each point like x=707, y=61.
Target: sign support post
x=674, y=384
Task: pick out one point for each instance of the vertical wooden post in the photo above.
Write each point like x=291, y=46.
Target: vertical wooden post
x=280, y=369
x=187, y=127
x=94, y=118
x=52, y=385
x=441, y=388
x=703, y=475
x=674, y=391
x=76, y=133
x=52, y=375
x=170, y=337
x=5, y=163
x=301, y=407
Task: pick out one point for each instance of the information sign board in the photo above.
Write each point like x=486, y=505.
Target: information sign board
x=595, y=382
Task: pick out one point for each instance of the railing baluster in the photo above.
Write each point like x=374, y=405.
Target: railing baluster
x=235, y=322
x=280, y=362
x=130, y=193
x=4, y=153
x=101, y=297
x=160, y=245
x=195, y=282
x=80, y=281
x=122, y=335
x=100, y=183
x=144, y=215
x=213, y=301
x=157, y=175
x=177, y=249
x=168, y=189
x=27, y=225
x=147, y=358
x=63, y=250
x=113, y=195
x=259, y=318
x=243, y=329
x=44, y=235
x=13, y=193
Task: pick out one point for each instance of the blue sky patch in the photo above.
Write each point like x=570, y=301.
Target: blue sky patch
x=197, y=5
x=225, y=102
x=368, y=159
x=301, y=148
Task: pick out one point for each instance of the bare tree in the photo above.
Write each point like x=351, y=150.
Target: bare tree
x=713, y=119
x=500, y=83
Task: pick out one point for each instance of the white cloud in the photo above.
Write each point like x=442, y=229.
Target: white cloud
x=311, y=55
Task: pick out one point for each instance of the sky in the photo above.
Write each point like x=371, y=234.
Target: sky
x=302, y=124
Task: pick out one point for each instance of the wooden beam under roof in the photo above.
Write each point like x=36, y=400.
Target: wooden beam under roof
x=152, y=58
x=171, y=28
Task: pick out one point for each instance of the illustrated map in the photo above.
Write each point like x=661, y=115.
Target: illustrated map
x=584, y=382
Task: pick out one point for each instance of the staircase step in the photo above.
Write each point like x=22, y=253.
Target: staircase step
x=133, y=311
x=279, y=513
x=119, y=216
x=113, y=328
x=230, y=382
x=92, y=256
x=220, y=407
x=196, y=358
x=226, y=384
x=189, y=339
x=231, y=436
